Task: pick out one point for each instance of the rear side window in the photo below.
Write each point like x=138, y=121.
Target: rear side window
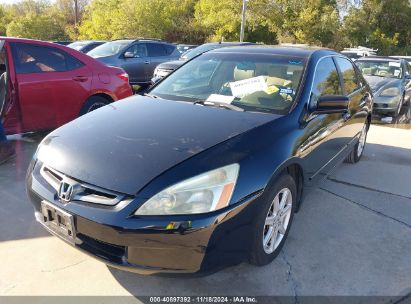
x=169, y=48
x=326, y=81
x=156, y=50
x=29, y=58
x=349, y=76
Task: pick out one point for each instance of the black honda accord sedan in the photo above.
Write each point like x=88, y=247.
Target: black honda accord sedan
x=209, y=167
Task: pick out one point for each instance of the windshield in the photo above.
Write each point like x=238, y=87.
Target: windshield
x=108, y=49
x=264, y=83
x=381, y=68
x=77, y=45
x=200, y=49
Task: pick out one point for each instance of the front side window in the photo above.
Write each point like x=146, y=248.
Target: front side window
x=326, y=81
x=29, y=58
x=265, y=83
x=380, y=68
x=349, y=76
x=138, y=50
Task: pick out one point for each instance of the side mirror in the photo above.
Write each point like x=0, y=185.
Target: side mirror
x=332, y=103
x=129, y=55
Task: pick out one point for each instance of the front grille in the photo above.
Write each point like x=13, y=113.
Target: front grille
x=81, y=191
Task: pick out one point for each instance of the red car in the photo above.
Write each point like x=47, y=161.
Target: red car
x=45, y=85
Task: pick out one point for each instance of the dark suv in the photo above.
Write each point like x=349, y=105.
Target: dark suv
x=137, y=57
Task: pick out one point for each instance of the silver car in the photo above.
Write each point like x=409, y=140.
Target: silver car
x=138, y=57
x=390, y=81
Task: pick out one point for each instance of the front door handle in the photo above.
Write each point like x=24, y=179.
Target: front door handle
x=80, y=78
x=346, y=116
x=147, y=62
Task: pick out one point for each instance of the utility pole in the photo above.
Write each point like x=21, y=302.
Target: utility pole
x=243, y=21
x=75, y=12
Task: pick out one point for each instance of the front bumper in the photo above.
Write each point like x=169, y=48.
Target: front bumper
x=152, y=245
x=385, y=105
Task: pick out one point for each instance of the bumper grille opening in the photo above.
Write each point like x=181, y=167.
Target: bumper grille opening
x=106, y=251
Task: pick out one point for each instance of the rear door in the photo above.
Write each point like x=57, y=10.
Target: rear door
x=157, y=53
x=136, y=67
x=51, y=84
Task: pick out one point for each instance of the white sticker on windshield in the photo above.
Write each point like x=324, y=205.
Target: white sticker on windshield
x=394, y=64
x=220, y=98
x=247, y=86
x=397, y=73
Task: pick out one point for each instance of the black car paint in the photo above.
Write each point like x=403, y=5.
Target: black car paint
x=305, y=143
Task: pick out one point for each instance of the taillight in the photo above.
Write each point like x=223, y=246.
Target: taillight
x=123, y=76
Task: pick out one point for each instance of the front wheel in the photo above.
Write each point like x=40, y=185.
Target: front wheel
x=358, y=151
x=274, y=221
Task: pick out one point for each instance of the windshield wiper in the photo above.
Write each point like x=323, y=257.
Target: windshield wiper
x=219, y=104
x=150, y=95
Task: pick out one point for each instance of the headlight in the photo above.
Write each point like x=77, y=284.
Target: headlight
x=200, y=194
x=390, y=92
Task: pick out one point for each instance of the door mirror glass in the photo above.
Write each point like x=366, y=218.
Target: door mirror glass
x=332, y=103
x=130, y=55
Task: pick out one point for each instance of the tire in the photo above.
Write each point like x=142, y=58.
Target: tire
x=93, y=103
x=262, y=252
x=356, y=154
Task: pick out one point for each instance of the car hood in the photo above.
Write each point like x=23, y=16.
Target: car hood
x=123, y=146
x=171, y=65
x=376, y=83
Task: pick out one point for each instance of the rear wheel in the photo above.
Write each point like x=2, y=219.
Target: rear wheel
x=93, y=103
x=358, y=150
x=274, y=221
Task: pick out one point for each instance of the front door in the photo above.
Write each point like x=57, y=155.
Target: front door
x=324, y=138
x=136, y=66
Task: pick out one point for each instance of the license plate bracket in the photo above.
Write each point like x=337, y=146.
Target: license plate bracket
x=58, y=222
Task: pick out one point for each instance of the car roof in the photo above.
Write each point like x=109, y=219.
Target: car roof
x=294, y=51
x=381, y=58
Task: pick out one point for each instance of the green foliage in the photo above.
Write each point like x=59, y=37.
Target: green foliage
x=381, y=24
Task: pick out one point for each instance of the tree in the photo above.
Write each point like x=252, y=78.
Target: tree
x=385, y=25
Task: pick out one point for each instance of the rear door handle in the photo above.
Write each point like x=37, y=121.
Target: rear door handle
x=80, y=78
x=147, y=62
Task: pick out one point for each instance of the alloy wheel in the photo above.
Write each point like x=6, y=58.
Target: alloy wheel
x=277, y=220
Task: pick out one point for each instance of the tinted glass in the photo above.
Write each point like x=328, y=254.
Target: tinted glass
x=169, y=48
x=156, y=50
x=348, y=74
x=29, y=58
x=381, y=68
x=326, y=81
x=109, y=48
x=264, y=83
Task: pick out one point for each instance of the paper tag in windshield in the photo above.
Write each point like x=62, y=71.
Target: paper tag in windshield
x=220, y=98
x=248, y=86
x=394, y=64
